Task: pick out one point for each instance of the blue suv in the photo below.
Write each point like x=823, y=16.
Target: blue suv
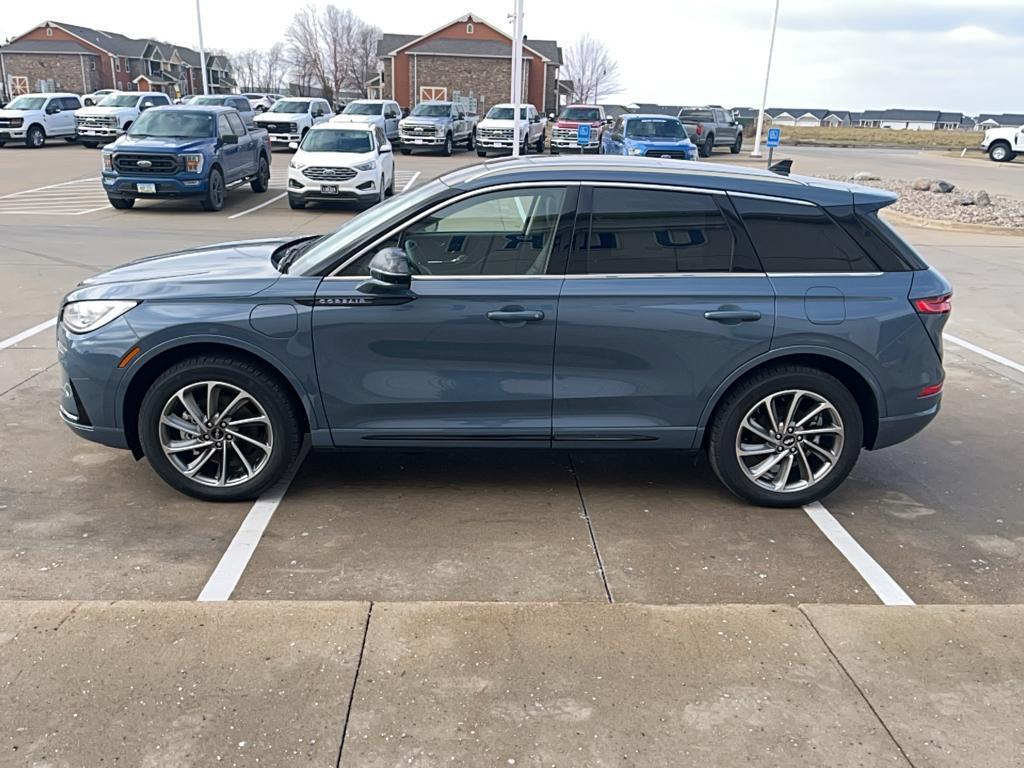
x=648, y=136
x=775, y=322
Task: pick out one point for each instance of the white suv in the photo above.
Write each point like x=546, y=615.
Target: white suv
x=114, y=114
x=289, y=119
x=338, y=162
x=36, y=117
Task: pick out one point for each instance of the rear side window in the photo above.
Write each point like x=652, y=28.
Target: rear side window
x=799, y=238
x=641, y=231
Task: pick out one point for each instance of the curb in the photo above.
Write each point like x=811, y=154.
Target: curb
x=949, y=226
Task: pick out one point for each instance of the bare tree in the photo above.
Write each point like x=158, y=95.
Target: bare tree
x=304, y=43
x=272, y=71
x=334, y=49
x=592, y=70
x=248, y=65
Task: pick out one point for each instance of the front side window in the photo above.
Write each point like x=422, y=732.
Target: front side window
x=223, y=126
x=235, y=121
x=641, y=231
x=799, y=238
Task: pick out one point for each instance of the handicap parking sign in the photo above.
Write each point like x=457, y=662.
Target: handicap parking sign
x=774, y=136
x=583, y=134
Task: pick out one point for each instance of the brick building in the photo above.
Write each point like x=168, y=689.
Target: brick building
x=467, y=60
x=56, y=56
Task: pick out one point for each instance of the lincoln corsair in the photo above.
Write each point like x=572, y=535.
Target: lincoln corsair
x=775, y=322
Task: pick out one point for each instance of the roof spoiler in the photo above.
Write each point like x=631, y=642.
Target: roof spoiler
x=782, y=168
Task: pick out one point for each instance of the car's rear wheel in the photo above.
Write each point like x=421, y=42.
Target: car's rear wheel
x=35, y=137
x=262, y=181
x=786, y=436
x=213, y=200
x=471, y=141
x=737, y=145
x=121, y=203
x=708, y=146
x=219, y=429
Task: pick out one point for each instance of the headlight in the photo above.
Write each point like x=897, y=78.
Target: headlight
x=635, y=151
x=193, y=163
x=297, y=165
x=108, y=161
x=85, y=316
x=367, y=166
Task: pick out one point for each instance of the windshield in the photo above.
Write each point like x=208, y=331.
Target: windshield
x=504, y=113
x=362, y=109
x=27, y=102
x=697, y=115
x=352, y=231
x=119, y=100
x=581, y=113
x=655, y=128
x=431, y=110
x=324, y=140
x=291, y=107
x=253, y=95
x=173, y=123
x=208, y=101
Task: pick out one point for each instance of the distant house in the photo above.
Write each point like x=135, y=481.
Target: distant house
x=647, y=108
x=911, y=119
x=615, y=110
x=840, y=119
x=986, y=121
x=804, y=118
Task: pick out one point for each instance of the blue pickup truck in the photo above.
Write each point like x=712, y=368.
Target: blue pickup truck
x=186, y=151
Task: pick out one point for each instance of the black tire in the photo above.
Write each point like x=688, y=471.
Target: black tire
x=2, y=143
x=1001, y=152
x=746, y=395
x=525, y=149
x=405, y=150
x=540, y=144
x=262, y=181
x=737, y=145
x=553, y=150
x=89, y=144
x=296, y=203
x=213, y=199
x=448, y=145
x=481, y=153
x=71, y=139
x=35, y=137
x=391, y=186
x=707, y=147
x=471, y=141
x=265, y=388
x=121, y=203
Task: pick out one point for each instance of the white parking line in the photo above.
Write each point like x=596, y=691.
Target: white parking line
x=257, y=207
x=49, y=186
x=68, y=198
x=984, y=352
x=28, y=334
x=408, y=184
x=236, y=557
x=888, y=591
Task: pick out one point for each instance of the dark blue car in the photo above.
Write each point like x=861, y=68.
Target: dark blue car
x=775, y=322
x=648, y=136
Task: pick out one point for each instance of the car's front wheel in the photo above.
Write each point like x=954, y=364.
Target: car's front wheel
x=213, y=200
x=35, y=137
x=121, y=203
x=1001, y=152
x=219, y=428
x=786, y=436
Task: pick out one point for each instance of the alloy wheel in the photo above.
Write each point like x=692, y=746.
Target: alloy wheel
x=216, y=434
x=789, y=441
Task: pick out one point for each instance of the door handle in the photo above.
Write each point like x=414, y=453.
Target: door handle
x=515, y=315
x=733, y=316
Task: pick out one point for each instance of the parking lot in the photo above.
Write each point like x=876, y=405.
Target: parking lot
x=415, y=539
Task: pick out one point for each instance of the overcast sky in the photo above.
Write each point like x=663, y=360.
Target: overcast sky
x=956, y=55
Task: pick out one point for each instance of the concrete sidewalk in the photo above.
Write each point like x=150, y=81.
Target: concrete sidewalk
x=525, y=684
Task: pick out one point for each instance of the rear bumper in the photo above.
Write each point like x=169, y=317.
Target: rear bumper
x=119, y=185
x=896, y=429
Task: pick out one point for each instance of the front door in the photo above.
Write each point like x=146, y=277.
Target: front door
x=231, y=155
x=663, y=301
x=466, y=356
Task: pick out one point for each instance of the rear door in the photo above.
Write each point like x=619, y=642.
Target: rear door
x=663, y=301
x=392, y=114
x=67, y=116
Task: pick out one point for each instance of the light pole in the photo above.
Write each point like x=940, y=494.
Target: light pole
x=517, y=76
x=756, y=152
x=202, y=52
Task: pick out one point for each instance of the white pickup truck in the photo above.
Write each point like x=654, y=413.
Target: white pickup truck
x=1003, y=144
x=113, y=115
x=494, y=133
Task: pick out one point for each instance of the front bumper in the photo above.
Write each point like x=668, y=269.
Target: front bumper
x=284, y=138
x=85, y=132
x=120, y=185
x=11, y=134
x=419, y=140
x=365, y=185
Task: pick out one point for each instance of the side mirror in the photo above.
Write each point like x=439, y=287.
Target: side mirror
x=609, y=120
x=55, y=109
x=229, y=138
x=293, y=145
x=551, y=115
x=391, y=267
x=385, y=148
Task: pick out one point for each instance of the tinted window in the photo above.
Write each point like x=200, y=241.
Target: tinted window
x=71, y=103
x=799, y=238
x=223, y=126
x=242, y=105
x=639, y=231
x=236, y=124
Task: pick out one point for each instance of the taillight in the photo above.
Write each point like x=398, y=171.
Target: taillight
x=700, y=129
x=931, y=390
x=934, y=305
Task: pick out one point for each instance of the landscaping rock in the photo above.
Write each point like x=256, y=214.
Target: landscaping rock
x=865, y=176
x=922, y=184
x=982, y=199
x=943, y=187
x=965, y=199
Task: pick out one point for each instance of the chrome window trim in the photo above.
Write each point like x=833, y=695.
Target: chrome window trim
x=632, y=275
x=658, y=186
x=825, y=274
x=458, y=198
x=772, y=198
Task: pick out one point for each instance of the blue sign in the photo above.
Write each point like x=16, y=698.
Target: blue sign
x=583, y=134
x=774, y=136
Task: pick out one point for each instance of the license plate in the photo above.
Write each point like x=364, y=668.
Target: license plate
x=418, y=141
x=146, y=189
x=329, y=189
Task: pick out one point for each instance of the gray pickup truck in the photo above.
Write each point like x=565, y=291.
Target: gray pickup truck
x=711, y=127
x=437, y=125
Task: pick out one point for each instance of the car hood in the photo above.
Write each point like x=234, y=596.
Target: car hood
x=158, y=144
x=662, y=143
x=357, y=119
x=215, y=271
x=279, y=117
x=333, y=159
x=104, y=111
x=493, y=123
x=412, y=122
x=9, y=113
x=578, y=123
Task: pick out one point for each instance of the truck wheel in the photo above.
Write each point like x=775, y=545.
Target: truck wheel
x=262, y=181
x=737, y=145
x=447, y=151
x=122, y=203
x=35, y=138
x=481, y=153
x=540, y=144
x=296, y=203
x=471, y=141
x=708, y=146
x=71, y=139
x=554, y=150
x=89, y=144
x=2, y=144
x=405, y=151
x=213, y=200
x=526, y=144
x=391, y=186
x=1001, y=152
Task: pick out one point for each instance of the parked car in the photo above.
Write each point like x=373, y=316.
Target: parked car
x=94, y=98
x=380, y=112
x=711, y=127
x=289, y=119
x=565, y=134
x=261, y=102
x=650, y=136
x=495, y=132
x=236, y=101
x=341, y=162
x=114, y=115
x=437, y=125
x=186, y=151
x=563, y=303
x=1003, y=144
x=35, y=117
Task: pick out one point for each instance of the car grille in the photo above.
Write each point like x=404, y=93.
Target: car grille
x=494, y=133
x=419, y=130
x=329, y=174
x=11, y=122
x=278, y=127
x=565, y=133
x=96, y=122
x=125, y=162
x=675, y=154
